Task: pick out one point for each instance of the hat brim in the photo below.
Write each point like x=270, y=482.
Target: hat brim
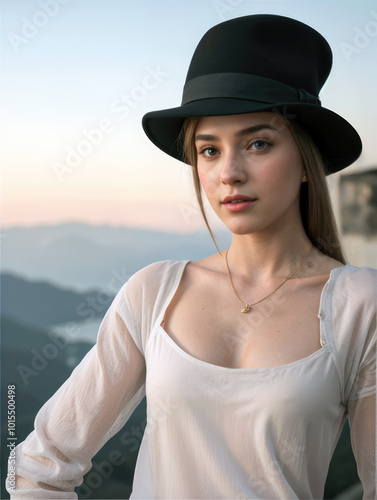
x=335, y=137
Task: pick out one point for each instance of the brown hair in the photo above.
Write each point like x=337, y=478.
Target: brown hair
x=315, y=204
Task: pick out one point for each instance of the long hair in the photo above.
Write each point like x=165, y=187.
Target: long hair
x=315, y=204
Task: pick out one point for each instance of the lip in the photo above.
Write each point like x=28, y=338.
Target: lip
x=235, y=197
x=244, y=202
x=238, y=207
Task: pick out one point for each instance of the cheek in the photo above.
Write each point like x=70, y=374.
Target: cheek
x=280, y=178
x=287, y=169
x=208, y=181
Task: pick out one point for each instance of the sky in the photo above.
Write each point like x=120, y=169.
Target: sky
x=78, y=75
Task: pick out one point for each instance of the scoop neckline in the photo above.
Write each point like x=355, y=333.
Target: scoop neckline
x=214, y=367
x=324, y=349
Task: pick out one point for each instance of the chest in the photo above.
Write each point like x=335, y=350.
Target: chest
x=206, y=322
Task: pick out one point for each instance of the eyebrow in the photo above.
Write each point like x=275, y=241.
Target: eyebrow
x=240, y=133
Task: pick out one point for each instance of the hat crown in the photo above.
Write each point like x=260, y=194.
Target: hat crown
x=265, y=45
x=254, y=64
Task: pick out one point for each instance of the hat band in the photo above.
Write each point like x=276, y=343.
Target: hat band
x=244, y=86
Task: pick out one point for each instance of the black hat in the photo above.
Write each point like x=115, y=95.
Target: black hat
x=260, y=63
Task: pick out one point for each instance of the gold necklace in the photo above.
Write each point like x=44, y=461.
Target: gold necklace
x=247, y=307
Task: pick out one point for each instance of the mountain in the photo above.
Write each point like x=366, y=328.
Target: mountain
x=41, y=304
x=29, y=362
x=84, y=256
x=35, y=369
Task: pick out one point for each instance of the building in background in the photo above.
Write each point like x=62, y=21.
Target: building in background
x=358, y=214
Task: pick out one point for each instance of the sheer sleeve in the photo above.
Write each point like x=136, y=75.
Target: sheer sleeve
x=362, y=415
x=87, y=410
x=352, y=314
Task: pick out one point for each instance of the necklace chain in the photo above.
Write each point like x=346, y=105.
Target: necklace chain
x=247, y=307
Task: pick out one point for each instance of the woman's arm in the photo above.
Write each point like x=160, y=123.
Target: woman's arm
x=90, y=407
x=362, y=416
x=353, y=311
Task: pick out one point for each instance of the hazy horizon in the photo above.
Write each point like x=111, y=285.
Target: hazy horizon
x=79, y=76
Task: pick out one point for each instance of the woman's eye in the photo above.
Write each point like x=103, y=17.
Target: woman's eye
x=259, y=145
x=209, y=152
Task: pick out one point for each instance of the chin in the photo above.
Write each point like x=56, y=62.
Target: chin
x=241, y=228
x=241, y=233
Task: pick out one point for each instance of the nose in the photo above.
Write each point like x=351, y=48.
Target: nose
x=233, y=170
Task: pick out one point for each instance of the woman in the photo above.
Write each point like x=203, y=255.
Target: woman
x=251, y=359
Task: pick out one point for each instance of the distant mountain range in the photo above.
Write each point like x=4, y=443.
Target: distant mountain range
x=41, y=304
x=84, y=256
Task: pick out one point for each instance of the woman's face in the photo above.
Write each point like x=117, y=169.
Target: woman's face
x=255, y=157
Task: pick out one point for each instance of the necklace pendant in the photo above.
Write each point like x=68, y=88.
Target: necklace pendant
x=246, y=308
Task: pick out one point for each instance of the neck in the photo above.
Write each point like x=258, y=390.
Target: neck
x=263, y=259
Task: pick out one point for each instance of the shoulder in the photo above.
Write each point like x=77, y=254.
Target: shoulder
x=163, y=269
x=351, y=296
x=213, y=264
x=355, y=281
x=353, y=319
x=154, y=277
x=141, y=299
x=369, y=272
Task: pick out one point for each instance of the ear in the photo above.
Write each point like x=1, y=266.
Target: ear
x=304, y=177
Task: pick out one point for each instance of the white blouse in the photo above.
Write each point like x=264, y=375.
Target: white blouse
x=212, y=432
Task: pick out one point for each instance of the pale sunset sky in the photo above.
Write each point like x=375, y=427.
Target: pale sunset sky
x=78, y=75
